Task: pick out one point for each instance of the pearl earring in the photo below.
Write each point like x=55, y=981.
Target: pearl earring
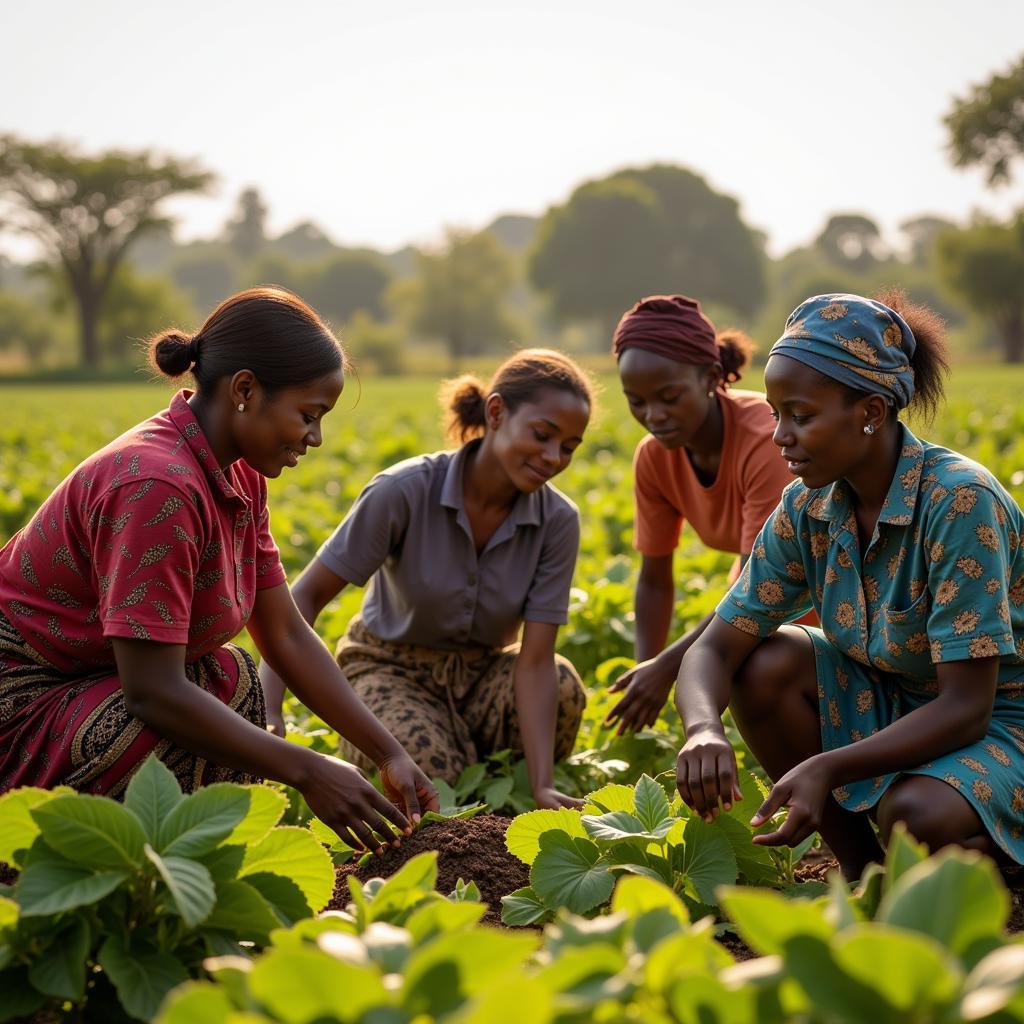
x=241, y=406
x=711, y=394
x=868, y=428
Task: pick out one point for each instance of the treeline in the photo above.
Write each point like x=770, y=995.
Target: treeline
x=113, y=271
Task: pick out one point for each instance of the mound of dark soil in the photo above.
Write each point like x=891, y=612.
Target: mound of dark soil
x=473, y=850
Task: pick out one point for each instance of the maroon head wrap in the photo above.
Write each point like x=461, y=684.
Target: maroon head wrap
x=671, y=326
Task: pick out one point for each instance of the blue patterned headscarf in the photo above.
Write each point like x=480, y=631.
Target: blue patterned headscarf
x=856, y=341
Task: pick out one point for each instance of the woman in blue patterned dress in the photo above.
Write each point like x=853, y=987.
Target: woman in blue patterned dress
x=908, y=704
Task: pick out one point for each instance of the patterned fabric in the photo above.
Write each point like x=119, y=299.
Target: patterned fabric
x=448, y=708
x=75, y=731
x=942, y=580
x=859, y=342
x=147, y=538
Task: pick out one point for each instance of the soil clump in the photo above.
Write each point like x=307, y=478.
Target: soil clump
x=471, y=849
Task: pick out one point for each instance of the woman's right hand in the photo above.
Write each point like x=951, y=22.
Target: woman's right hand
x=706, y=773
x=339, y=795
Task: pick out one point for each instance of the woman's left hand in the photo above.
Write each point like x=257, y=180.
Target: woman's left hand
x=550, y=799
x=405, y=785
x=804, y=790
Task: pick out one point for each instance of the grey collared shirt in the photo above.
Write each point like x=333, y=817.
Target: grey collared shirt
x=409, y=531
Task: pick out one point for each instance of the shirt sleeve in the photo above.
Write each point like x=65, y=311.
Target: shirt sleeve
x=968, y=550
x=765, y=477
x=657, y=522
x=547, y=600
x=374, y=527
x=772, y=587
x=146, y=543
x=269, y=570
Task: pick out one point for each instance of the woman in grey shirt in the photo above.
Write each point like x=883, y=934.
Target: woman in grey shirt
x=462, y=549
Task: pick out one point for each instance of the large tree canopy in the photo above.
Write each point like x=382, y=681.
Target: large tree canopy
x=642, y=231
x=85, y=211
x=986, y=126
x=985, y=264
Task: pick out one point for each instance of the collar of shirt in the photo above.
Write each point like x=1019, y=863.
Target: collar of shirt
x=833, y=506
x=526, y=510
x=182, y=416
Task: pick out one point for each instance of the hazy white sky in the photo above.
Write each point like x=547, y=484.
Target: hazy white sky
x=385, y=121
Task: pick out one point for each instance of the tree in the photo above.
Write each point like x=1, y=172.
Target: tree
x=458, y=295
x=305, y=241
x=642, y=231
x=24, y=327
x=922, y=233
x=85, y=211
x=986, y=126
x=850, y=241
x=245, y=232
x=348, y=282
x=207, y=272
x=985, y=264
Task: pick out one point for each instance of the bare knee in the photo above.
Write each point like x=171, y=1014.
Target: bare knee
x=777, y=668
x=933, y=812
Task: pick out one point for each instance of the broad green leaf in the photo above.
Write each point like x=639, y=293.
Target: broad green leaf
x=406, y=887
x=298, y=986
x=388, y=946
x=957, y=897
x=568, y=873
x=470, y=777
x=190, y=886
x=241, y=909
x=223, y=863
x=266, y=806
x=439, y=976
x=152, y=794
x=282, y=894
x=498, y=791
x=619, y=825
x=203, y=820
x=699, y=998
x=584, y=973
x=523, y=836
x=767, y=921
x=92, y=831
x=651, y=803
x=512, y=1002
x=635, y=895
x=709, y=860
x=60, y=970
x=612, y=797
x=995, y=983
x=694, y=951
x=8, y=913
x=521, y=908
x=755, y=863
x=196, y=1002
x=902, y=853
x=142, y=979
x=754, y=794
x=18, y=830
x=295, y=854
x=908, y=971
x=571, y=932
x=326, y=835
x=50, y=884
x=431, y=919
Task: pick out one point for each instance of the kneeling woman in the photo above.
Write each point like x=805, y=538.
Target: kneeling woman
x=117, y=599
x=907, y=704
x=463, y=548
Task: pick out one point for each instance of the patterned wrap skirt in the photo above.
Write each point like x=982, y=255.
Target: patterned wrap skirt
x=57, y=729
x=856, y=701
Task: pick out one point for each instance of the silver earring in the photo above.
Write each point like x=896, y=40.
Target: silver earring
x=868, y=428
x=711, y=394
x=241, y=406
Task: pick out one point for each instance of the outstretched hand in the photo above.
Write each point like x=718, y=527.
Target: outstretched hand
x=407, y=786
x=550, y=799
x=647, y=688
x=706, y=774
x=804, y=790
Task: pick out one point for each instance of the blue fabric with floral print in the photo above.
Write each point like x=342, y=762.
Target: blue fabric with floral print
x=942, y=580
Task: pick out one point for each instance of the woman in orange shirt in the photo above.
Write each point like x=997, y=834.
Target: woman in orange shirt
x=708, y=460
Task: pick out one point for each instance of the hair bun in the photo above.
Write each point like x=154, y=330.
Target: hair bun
x=172, y=352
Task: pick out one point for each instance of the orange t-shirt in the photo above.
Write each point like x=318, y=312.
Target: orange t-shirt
x=728, y=514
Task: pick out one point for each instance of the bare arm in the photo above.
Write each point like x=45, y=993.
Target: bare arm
x=959, y=715
x=706, y=766
x=536, y=691
x=653, y=600
x=311, y=592
x=158, y=693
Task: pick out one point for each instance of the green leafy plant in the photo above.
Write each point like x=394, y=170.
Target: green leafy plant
x=118, y=903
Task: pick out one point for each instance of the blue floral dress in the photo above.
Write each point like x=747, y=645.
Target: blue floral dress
x=942, y=580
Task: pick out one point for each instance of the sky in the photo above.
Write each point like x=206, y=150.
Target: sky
x=385, y=122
